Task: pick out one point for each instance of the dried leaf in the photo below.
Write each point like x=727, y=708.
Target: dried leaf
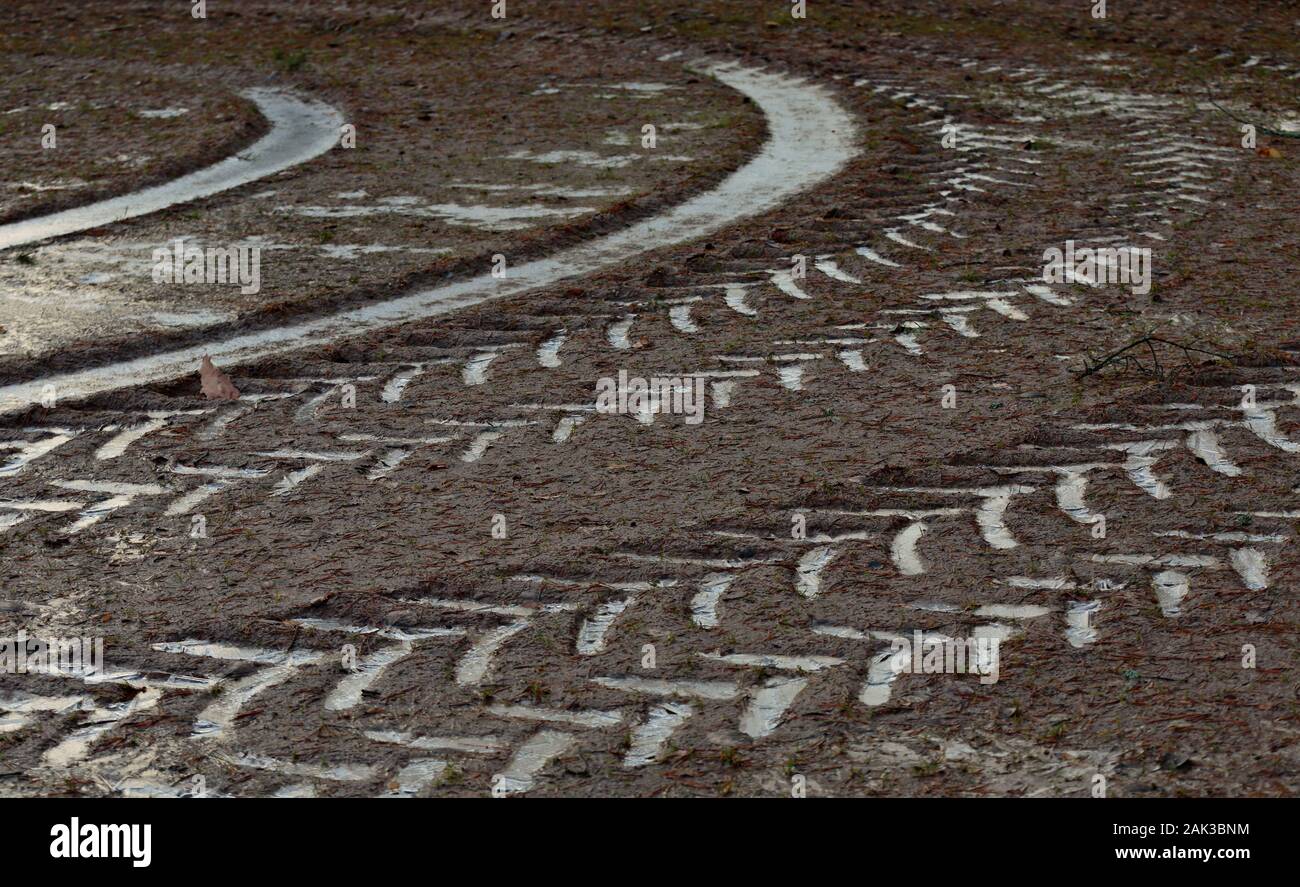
x=216, y=385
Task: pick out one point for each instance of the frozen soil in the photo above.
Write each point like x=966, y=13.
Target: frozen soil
x=350, y=496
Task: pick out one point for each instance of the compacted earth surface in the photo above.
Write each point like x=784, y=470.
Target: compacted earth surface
x=428, y=557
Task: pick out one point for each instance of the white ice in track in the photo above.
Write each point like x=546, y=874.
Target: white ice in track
x=1049, y=296
x=873, y=256
x=120, y=496
x=790, y=377
x=531, y=757
x=827, y=266
x=618, y=333
x=767, y=705
x=300, y=131
x=1012, y=611
x=16, y=709
x=215, y=720
x=479, y=445
x=902, y=551
x=1263, y=423
x=594, y=719
x=680, y=317
x=395, y=386
x=476, y=369
x=775, y=660
x=222, y=478
x=76, y=745
x=704, y=606
x=1205, y=445
x=1138, y=466
x=548, y=353
x=808, y=575
x=735, y=299
x=348, y=692
x=852, y=359
x=123, y=439
x=785, y=282
x=1251, y=566
x=647, y=740
x=26, y=508
x=893, y=235
x=1170, y=588
x=331, y=772
x=414, y=777
x=1079, y=617
x=473, y=745
x=811, y=137
x=712, y=690
x=477, y=661
x=30, y=451
x=721, y=393
x=591, y=636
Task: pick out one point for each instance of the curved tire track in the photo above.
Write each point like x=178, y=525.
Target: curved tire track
x=301, y=130
x=810, y=139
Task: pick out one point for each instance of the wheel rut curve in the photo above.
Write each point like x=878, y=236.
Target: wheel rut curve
x=301, y=130
x=810, y=138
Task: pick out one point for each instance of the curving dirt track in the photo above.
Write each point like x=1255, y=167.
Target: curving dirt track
x=905, y=429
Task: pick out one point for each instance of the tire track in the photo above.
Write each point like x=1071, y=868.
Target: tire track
x=811, y=138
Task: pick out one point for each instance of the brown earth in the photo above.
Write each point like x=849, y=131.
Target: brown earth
x=429, y=191
x=1158, y=702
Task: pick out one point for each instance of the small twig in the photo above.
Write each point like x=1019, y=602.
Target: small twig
x=1149, y=341
x=1160, y=373
x=1265, y=129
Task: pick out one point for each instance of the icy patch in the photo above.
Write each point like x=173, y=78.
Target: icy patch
x=713, y=690
x=477, y=661
x=331, y=772
x=415, y=777
x=903, y=549
x=1079, y=618
x=474, y=745
x=480, y=216
x=704, y=606
x=768, y=704
x=808, y=575
x=521, y=773
x=1170, y=587
x=593, y=719
x=589, y=159
x=649, y=738
x=548, y=353
x=1012, y=611
x=777, y=661
x=76, y=746
x=873, y=256
x=1251, y=567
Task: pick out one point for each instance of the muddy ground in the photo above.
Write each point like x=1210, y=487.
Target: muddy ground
x=469, y=143
x=545, y=600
